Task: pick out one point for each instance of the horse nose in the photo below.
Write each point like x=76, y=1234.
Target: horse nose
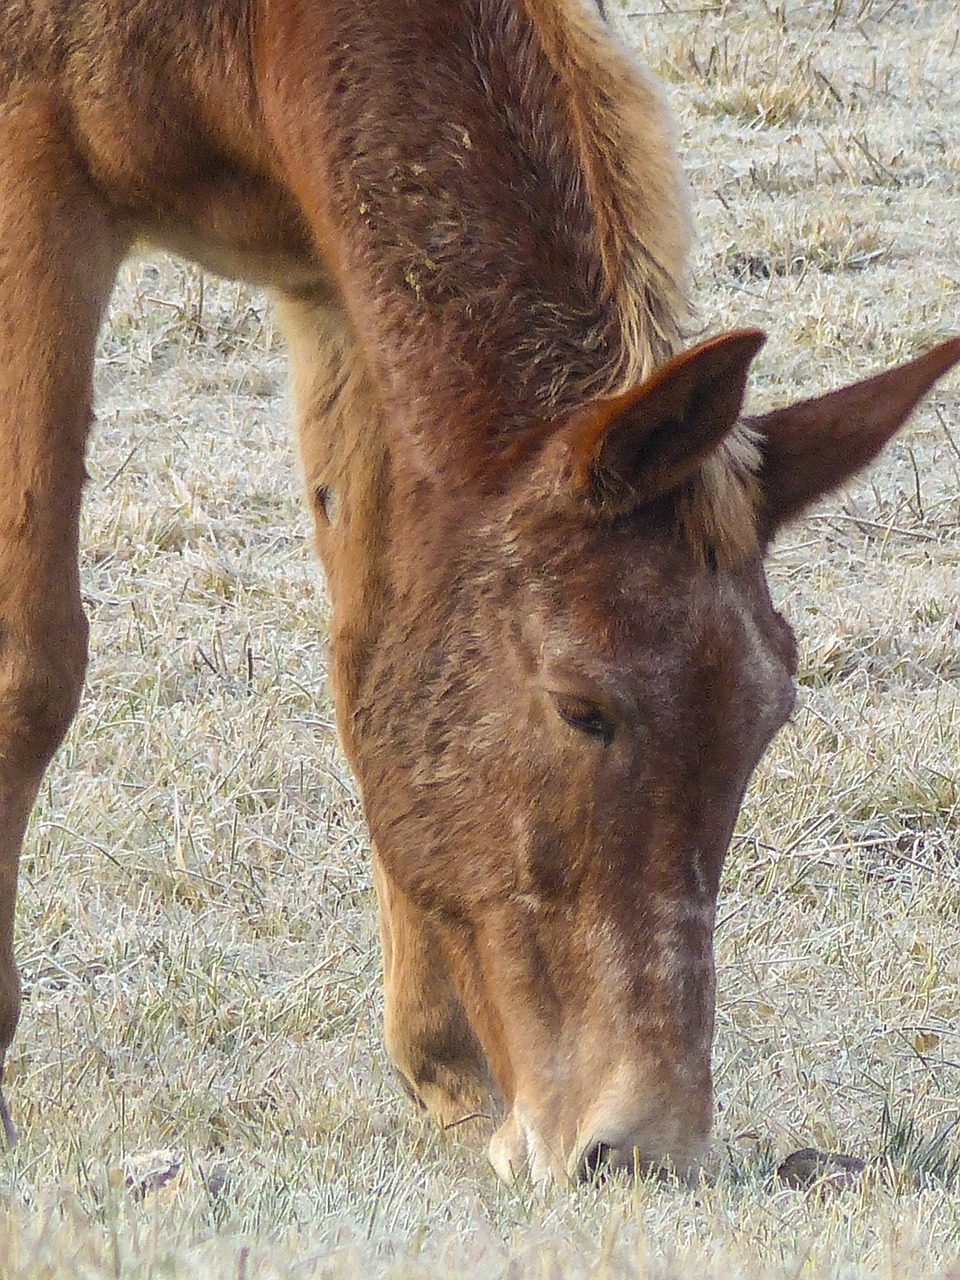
x=600, y=1158
x=595, y=1162
x=664, y=1139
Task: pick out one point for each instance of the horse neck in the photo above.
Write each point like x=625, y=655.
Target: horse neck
x=493, y=185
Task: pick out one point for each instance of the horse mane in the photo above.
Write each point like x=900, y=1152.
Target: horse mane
x=625, y=154
x=520, y=229
x=627, y=157
x=717, y=507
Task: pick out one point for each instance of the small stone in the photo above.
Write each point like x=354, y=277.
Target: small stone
x=808, y=1166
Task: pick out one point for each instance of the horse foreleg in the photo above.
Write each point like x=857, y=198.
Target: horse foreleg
x=58, y=257
x=346, y=468
x=426, y=1030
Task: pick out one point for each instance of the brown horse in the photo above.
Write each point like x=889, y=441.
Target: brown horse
x=555, y=659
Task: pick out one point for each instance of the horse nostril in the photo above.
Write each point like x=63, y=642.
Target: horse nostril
x=595, y=1161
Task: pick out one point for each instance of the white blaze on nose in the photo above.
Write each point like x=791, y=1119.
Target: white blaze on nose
x=631, y=1085
x=671, y=953
x=683, y=935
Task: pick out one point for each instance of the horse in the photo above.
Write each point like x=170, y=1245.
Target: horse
x=542, y=517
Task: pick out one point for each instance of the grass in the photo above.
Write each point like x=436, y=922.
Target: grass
x=198, y=1073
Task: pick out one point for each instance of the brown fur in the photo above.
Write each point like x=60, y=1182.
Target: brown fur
x=555, y=661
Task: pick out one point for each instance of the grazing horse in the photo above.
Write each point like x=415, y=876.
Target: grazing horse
x=554, y=656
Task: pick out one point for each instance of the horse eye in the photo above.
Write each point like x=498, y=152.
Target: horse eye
x=586, y=717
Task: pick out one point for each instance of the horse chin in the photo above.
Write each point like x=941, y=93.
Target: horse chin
x=518, y=1149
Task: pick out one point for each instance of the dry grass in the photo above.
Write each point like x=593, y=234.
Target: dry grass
x=198, y=1073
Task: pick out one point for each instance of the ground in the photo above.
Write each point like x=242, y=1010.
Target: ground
x=198, y=1074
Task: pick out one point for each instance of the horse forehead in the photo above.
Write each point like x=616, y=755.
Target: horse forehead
x=615, y=609
x=700, y=631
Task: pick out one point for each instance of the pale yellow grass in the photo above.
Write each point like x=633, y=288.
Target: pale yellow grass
x=198, y=1074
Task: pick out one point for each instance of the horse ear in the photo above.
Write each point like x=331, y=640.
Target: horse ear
x=629, y=449
x=815, y=445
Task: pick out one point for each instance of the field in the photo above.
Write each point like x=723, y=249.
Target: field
x=198, y=1074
